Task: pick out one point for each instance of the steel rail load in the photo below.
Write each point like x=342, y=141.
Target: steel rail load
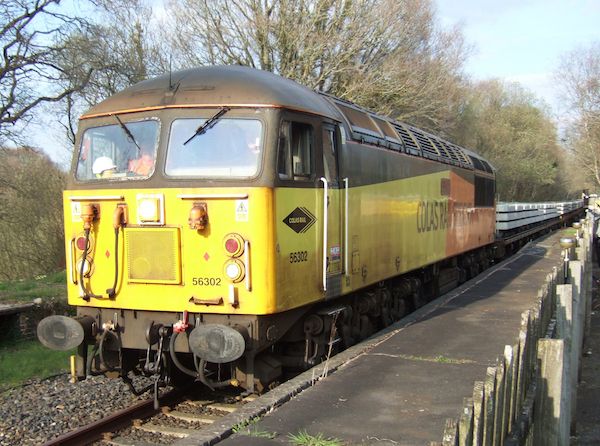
x=225, y=224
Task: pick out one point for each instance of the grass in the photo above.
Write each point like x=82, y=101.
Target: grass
x=303, y=438
x=249, y=428
x=22, y=361
x=45, y=286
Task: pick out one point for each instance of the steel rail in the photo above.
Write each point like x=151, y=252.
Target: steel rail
x=118, y=420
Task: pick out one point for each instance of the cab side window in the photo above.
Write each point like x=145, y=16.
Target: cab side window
x=296, y=149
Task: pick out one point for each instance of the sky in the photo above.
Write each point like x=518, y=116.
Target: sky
x=522, y=40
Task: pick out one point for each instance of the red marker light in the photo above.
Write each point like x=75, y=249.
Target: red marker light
x=80, y=243
x=233, y=244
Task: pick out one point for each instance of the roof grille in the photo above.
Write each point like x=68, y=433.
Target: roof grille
x=407, y=139
x=425, y=143
x=461, y=154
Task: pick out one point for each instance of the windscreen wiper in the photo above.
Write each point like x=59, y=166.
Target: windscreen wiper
x=208, y=123
x=128, y=133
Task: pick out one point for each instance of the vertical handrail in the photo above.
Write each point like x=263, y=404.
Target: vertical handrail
x=346, y=190
x=247, y=261
x=73, y=262
x=325, y=223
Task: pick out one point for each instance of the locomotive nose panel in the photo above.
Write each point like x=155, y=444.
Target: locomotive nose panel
x=153, y=255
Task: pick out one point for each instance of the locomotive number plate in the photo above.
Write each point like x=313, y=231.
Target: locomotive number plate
x=206, y=281
x=297, y=257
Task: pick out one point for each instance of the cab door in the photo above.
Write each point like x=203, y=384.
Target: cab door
x=332, y=209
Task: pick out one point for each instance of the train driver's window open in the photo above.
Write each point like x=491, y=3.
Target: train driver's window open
x=296, y=144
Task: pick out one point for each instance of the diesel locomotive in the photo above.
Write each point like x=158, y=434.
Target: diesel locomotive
x=225, y=224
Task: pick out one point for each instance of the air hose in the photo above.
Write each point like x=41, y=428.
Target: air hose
x=112, y=291
x=85, y=294
x=176, y=361
x=199, y=373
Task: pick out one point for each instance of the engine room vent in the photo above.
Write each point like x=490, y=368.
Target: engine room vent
x=408, y=140
x=425, y=143
x=461, y=154
x=153, y=255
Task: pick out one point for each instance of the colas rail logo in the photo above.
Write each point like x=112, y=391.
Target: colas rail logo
x=300, y=220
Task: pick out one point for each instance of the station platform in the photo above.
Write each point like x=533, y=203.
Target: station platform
x=401, y=387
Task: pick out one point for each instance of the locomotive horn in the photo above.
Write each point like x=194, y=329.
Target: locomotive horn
x=64, y=333
x=217, y=343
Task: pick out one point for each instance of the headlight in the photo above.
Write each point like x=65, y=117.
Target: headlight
x=148, y=210
x=234, y=270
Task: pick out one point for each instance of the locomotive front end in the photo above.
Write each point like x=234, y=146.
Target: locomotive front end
x=167, y=230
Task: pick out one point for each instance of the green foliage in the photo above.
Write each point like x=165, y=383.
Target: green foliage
x=27, y=360
x=303, y=438
x=249, y=428
x=31, y=228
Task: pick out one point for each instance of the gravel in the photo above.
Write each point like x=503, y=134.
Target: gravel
x=45, y=409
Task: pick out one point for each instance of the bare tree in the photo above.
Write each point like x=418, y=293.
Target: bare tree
x=32, y=37
x=117, y=48
x=504, y=123
x=385, y=54
x=579, y=76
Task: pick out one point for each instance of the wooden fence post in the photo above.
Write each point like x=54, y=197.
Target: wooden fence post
x=465, y=424
x=488, y=406
x=511, y=390
x=565, y=330
x=478, y=413
x=499, y=403
x=552, y=414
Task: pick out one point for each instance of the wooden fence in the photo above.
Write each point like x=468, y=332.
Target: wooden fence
x=529, y=397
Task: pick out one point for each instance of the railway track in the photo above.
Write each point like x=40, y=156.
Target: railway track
x=181, y=414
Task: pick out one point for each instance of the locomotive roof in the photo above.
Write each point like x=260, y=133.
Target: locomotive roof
x=216, y=86
x=238, y=86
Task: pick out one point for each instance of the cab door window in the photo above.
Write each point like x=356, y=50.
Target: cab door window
x=296, y=151
x=329, y=154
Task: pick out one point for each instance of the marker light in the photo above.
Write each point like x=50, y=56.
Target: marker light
x=234, y=270
x=234, y=245
x=80, y=243
x=87, y=267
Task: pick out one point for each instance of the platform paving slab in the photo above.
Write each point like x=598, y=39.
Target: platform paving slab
x=408, y=381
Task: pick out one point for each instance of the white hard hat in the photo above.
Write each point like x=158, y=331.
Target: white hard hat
x=102, y=164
